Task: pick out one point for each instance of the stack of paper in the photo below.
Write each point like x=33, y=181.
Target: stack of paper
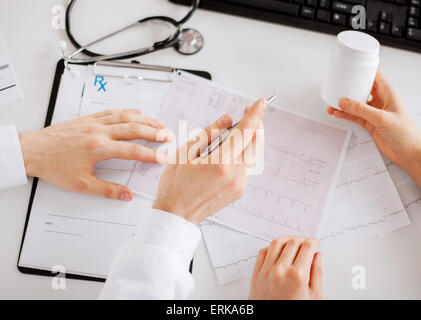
x=356, y=211
x=302, y=159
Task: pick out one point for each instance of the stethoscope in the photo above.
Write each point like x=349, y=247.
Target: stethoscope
x=185, y=41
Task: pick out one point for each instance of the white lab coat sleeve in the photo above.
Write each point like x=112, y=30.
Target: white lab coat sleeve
x=12, y=167
x=155, y=266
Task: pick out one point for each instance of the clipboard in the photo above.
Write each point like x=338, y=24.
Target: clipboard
x=51, y=107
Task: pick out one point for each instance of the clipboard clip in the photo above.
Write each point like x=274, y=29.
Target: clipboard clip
x=134, y=65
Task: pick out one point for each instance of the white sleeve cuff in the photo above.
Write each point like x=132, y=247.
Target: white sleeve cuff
x=155, y=266
x=172, y=233
x=12, y=167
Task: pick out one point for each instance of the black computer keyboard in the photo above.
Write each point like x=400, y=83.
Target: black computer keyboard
x=395, y=23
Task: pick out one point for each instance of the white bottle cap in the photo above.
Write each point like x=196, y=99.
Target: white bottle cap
x=358, y=44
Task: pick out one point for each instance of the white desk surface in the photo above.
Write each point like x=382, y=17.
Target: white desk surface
x=255, y=57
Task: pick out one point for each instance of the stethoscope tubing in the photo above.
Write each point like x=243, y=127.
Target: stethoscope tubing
x=171, y=41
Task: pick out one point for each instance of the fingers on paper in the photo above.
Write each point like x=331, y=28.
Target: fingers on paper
x=290, y=251
x=316, y=273
x=138, y=131
x=305, y=256
x=118, y=116
x=274, y=252
x=106, y=189
x=261, y=257
x=134, y=151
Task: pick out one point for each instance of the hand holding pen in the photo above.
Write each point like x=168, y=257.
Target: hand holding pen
x=221, y=139
x=181, y=186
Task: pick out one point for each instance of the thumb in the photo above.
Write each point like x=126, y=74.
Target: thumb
x=108, y=190
x=372, y=115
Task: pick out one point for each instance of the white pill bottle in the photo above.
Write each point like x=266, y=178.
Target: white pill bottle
x=352, y=68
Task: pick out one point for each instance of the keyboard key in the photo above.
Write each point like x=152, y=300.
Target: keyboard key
x=324, y=4
x=307, y=12
x=384, y=28
x=271, y=5
x=414, y=12
x=339, y=18
x=299, y=1
x=415, y=3
x=401, y=2
x=323, y=16
x=361, y=2
x=396, y=30
x=371, y=25
x=342, y=6
x=312, y=3
x=412, y=22
x=386, y=16
x=414, y=34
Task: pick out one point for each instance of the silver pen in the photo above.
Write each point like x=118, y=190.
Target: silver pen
x=221, y=138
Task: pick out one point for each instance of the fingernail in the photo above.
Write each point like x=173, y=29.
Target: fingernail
x=330, y=111
x=161, y=157
x=125, y=196
x=165, y=135
x=224, y=121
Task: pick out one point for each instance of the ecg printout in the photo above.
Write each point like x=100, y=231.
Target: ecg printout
x=10, y=89
x=301, y=160
x=82, y=233
x=364, y=204
x=408, y=190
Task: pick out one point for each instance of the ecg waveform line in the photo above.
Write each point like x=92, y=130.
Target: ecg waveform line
x=280, y=196
x=283, y=224
x=323, y=238
x=236, y=263
x=413, y=202
x=357, y=227
x=361, y=179
x=301, y=169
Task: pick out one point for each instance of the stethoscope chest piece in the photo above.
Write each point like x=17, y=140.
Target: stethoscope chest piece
x=190, y=41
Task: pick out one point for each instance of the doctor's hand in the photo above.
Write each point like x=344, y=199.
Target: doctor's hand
x=389, y=123
x=290, y=269
x=64, y=155
x=199, y=187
